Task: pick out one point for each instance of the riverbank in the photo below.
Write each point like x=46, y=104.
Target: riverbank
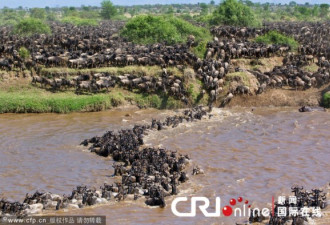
x=284, y=97
x=18, y=95
x=21, y=97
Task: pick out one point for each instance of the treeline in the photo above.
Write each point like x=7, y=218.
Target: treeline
x=82, y=16
x=202, y=12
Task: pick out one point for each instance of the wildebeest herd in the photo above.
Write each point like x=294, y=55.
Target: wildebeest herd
x=95, y=82
x=144, y=171
x=155, y=172
x=94, y=47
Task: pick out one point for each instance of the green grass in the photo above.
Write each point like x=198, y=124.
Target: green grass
x=243, y=76
x=274, y=37
x=311, y=68
x=326, y=99
x=194, y=93
x=40, y=101
x=25, y=98
x=80, y=21
x=158, y=100
x=200, y=49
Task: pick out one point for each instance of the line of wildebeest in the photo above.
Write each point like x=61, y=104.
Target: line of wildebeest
x=95, y=82
x=144, y=171
x=95, y=47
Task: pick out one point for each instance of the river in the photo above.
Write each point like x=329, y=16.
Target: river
x=250, y=154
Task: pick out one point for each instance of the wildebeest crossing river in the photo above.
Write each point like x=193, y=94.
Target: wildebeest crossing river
x=255, y=155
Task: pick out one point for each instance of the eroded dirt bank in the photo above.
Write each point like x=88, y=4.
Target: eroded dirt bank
x=282, y=97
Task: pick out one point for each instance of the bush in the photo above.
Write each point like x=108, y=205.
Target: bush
x=274, y=37
x=23, y=53
x=108, y=10
x=10, y=16
x=233, y=12
x=30, y=26
x=79, y=21
x=148, y=29
x=326, y=99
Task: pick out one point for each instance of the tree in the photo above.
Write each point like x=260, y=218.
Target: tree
x=324, y=10
x=204, y=8
x=108, y=10
x=232, y=12
x=212, y=2
x=170, y=10
x=38, y=13
x=292, y=3
x=248, y=3
x=315, y=10
x=31, y=26
x=266, y=6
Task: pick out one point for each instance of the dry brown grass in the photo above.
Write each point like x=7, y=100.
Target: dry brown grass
x=135, y=70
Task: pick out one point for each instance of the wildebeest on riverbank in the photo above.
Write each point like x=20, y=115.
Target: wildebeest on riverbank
x=102, y=46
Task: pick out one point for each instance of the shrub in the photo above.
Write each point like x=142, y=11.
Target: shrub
x=324, y=10
x=30, y=26
x=326, y=99
x=233, y=12
x=23, y=53
x=274, y=37
x=79, y=21
x=148, y=29
x=200, y=49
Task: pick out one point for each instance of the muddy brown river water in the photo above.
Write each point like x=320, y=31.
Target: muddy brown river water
x=254, y=155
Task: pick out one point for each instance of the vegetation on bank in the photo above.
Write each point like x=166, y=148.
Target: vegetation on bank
x=31, y=26
x=233, y=12
x=274, y=37
x=326, y=99
x=24, y=53
x=241, y=75
x=149, y=29
x=79, y=21
x=26, y=98
x=201, y=12
x=311, y=68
